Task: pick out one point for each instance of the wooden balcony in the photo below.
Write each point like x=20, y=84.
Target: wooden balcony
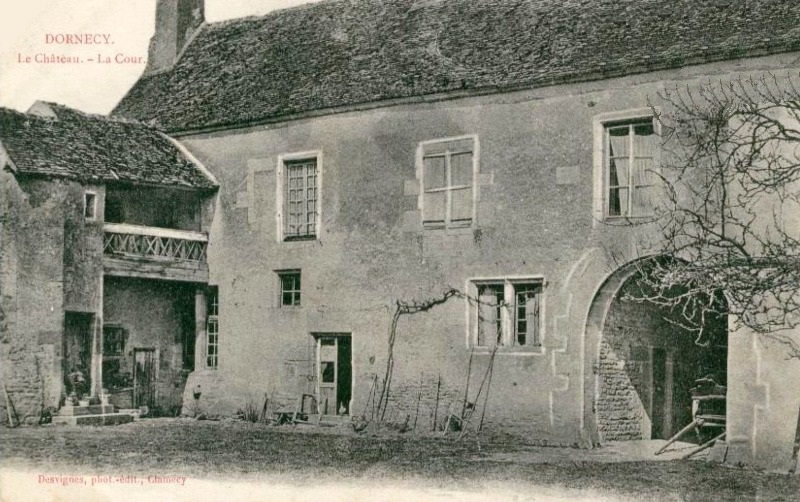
x=154, y=253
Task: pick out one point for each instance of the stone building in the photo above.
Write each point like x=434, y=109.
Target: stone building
x=104, y=233
x=376, y=153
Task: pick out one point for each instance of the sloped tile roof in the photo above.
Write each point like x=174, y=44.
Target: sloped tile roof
x=346, y=52
x=87, y=147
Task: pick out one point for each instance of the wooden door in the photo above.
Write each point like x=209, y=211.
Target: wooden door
x=327, y=351
x=144, y=377
x=334, y=379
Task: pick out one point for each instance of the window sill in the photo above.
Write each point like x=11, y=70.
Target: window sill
x=440, y=230
x=628, y=220
x=300, y=238
x=532, y=350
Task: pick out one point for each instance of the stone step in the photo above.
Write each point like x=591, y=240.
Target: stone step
x=94, y=409
x=100, y=419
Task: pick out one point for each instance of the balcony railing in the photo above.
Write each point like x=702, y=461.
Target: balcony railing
x=133, y=241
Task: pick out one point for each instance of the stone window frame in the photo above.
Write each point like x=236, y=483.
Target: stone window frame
x=212, y=328
x=295, y=292
x=281, y=194
x=600, y=171
x=447, y=225
x=90, y=205
x=508, y=319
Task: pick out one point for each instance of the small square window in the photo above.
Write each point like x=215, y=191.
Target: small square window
x=89, y=205
x=289, y=287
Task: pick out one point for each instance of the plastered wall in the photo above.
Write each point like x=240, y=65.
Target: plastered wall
x=534, y=218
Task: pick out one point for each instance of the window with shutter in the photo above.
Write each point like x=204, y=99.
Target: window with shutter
x=449, y=170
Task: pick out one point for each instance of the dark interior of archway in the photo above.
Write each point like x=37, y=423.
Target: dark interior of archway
x=648, y=365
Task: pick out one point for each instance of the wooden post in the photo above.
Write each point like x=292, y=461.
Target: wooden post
x=419, y=398
x=96, y=369
x=436, y=405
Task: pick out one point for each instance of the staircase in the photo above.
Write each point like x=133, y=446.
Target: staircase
x=93, y=414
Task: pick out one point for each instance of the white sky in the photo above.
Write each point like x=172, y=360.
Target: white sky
x=90, y=87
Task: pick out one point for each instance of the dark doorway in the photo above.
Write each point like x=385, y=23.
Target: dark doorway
x=659, y=404
x=144, y=377
x=648, y=363
x=77, y=350
x=335, y=386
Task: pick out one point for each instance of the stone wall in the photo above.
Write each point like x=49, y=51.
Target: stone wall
x=43, y=241
x=535, y=217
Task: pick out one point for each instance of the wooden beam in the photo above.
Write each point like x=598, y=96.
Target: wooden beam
x=124, y=228
x=147, y=269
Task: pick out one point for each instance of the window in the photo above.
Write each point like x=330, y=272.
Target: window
x=290, y=287
x=299, y=179
x=448, y=171
x=628, y=147
x=212, y=328
x=89, y=205
x=507, y=312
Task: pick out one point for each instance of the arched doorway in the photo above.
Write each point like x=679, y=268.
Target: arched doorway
x=645, y=363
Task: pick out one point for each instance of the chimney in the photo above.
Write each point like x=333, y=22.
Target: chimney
x=176, y=23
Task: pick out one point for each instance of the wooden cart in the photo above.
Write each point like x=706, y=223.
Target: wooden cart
x=708, y=416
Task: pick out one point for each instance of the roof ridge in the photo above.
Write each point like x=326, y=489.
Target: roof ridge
x=97, y=116
x=273, y=13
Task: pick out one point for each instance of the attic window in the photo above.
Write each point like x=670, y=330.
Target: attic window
x=89, y=206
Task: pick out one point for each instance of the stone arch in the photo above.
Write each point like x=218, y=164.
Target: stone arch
x=641, y=366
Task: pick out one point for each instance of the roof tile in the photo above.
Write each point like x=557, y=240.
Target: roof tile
x=94, y=148
x=346, y=52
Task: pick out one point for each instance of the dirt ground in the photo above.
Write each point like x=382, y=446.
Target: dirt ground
x=214, y=454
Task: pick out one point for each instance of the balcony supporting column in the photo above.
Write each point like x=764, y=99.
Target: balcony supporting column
x=96, y=370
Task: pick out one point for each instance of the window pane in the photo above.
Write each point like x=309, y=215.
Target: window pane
x=461, y=169
x=532, y=318
x=618, y=202
x=644, y=140
x=434, y=206
x=643, y=172
x=434, y=173
x=618, y=141
x=462, y=204
x=527, y=313
x=328, y=371
x=618, y=172
x=642, y=201
x=490, y=299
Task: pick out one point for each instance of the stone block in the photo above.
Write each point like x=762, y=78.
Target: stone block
x=72, y=411
x=265, y=164
x=107, y=419
x=718, y=452
x=739, y=453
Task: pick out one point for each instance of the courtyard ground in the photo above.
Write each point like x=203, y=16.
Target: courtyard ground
x=243, y=461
